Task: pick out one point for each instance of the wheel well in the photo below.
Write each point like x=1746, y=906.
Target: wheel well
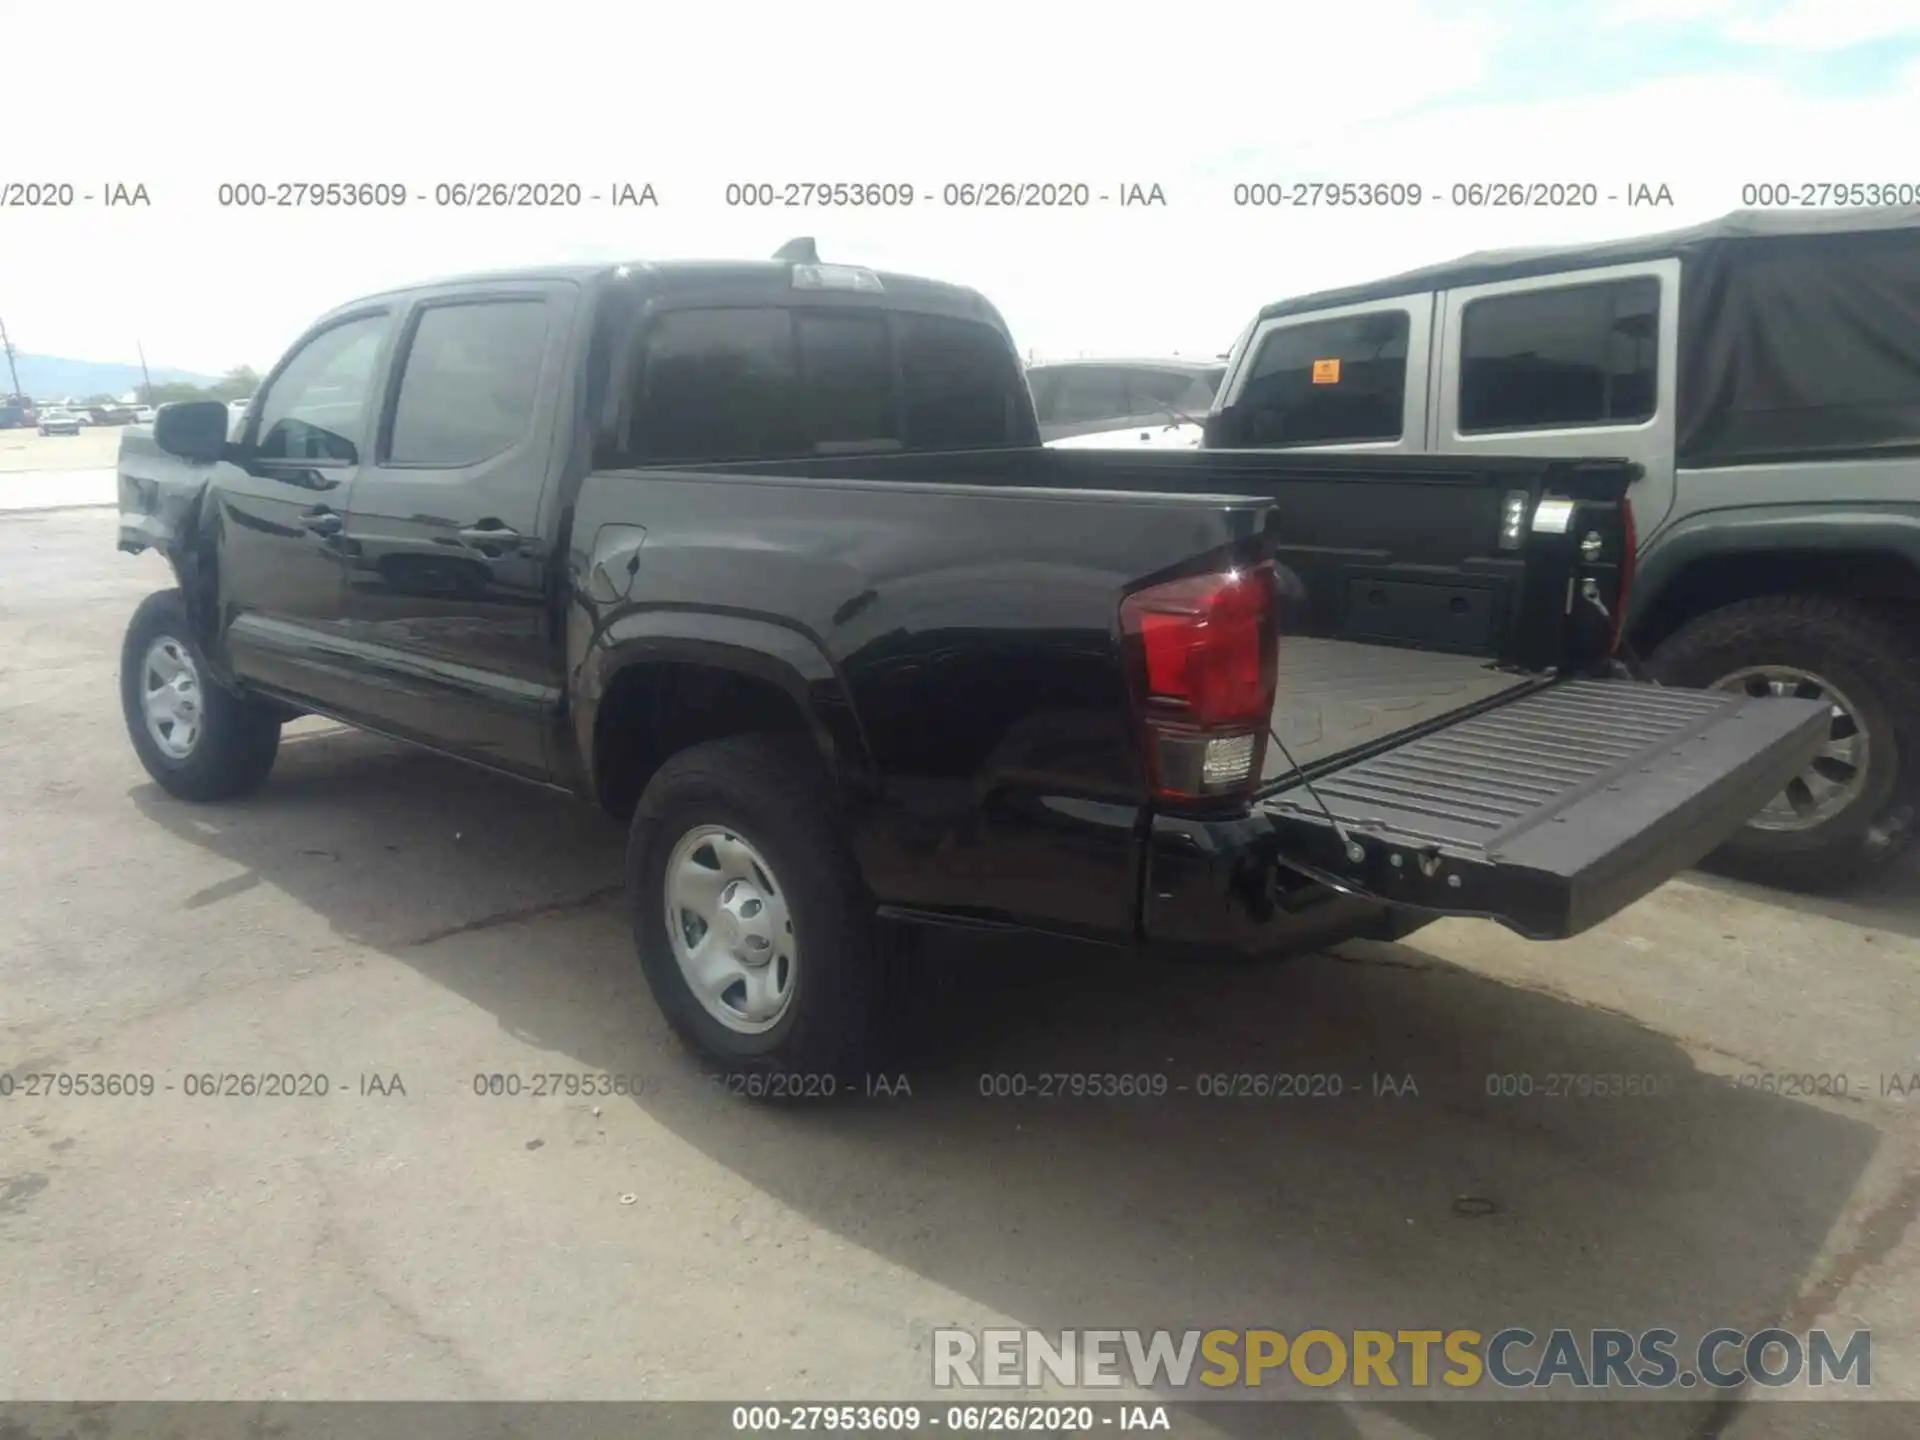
x=652, y=711
x=1884, y=579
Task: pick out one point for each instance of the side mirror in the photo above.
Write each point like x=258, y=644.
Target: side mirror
x=194, y=430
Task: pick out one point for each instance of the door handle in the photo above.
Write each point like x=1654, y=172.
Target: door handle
x=489, y=535
x=322, y=521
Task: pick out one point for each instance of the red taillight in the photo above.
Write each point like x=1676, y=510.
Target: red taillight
x=1207, y=668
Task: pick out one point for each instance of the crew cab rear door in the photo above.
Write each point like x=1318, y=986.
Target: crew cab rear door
x=1548, y=811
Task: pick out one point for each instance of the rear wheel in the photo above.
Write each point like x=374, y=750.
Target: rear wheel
x=1852, y=809
x=754, y=931
x=198, y=740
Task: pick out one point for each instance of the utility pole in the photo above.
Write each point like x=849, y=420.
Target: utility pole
x=7, y=345
x=146, y=391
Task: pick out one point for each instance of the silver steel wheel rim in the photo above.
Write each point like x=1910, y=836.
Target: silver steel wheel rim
x=171, y=701
x=1838, y=773
x=731, y=930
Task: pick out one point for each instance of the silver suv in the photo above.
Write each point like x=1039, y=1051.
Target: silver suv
x=1764, y=370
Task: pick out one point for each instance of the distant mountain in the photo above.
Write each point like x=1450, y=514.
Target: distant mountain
x=49, y=377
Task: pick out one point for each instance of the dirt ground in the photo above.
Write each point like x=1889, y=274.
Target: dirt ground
x=400, y=925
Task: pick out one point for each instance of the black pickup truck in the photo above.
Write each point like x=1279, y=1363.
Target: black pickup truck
x=767, y=556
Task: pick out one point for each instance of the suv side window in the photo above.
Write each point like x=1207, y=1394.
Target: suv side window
x=1089, y=392
x=1329, y=382
x=1153, y=391
x=315, y=410
x=1551, y=359
x=959, y=380
x=472, y=373
x=1045, y=385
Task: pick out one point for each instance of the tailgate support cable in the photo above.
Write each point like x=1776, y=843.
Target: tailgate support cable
x=1352, y=846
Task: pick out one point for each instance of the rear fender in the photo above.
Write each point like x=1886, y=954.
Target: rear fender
x=750, y=646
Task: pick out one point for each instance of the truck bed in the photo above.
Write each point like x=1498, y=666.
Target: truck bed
x=1336, y=697
x=1402, y=606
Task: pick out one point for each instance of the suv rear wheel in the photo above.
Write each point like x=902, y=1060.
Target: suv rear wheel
x=1852, y=809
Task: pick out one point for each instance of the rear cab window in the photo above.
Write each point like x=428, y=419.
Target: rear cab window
x=764, y=382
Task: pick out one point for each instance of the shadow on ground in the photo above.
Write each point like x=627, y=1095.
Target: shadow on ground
x=1429, y=1203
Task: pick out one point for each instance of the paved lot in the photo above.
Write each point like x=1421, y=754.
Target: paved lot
x=43, y=472
x=376, y=912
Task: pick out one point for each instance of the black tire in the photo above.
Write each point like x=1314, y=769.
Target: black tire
x=772, y=791
x=1868, y=660
x=239, y=736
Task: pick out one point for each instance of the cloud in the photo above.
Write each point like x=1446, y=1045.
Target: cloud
x=1823, y=25
x=1806, y=25
x=1243, y=91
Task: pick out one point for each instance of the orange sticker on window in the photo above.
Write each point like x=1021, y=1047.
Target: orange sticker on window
x=1326, y=372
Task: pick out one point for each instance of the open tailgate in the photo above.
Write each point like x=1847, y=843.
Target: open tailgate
x=1553, y=811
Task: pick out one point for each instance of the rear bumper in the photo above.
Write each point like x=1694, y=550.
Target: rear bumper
x=1218, y=888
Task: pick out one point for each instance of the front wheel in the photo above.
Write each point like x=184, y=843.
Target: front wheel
x=197, y=739
x=754, y=930
x=1852, y=810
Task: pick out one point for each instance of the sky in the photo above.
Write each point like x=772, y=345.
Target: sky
x=1703, y=97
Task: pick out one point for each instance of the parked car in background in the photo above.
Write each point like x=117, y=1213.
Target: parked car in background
x=15, y=417
x=1764, y=371
x=57, y=421
x=143, y=415
x=237, y=415
x=1083, y=397
x=1160, y=435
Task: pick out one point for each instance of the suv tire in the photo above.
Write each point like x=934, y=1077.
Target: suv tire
x=1860, y=657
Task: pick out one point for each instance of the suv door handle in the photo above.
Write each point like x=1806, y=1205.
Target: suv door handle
x=322, y=521
x=489, y=534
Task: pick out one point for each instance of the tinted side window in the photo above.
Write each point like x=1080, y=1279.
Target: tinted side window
x=1088, y=392
x=846, y=370
x=719, y=385
x=1155, y=390
x=1330, y=382
x=316, y=408
x=1045, y=385
x=472, y=372
x=959, y=381
x=1581, y=355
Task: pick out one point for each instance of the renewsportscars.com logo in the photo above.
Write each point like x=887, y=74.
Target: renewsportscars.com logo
x=1509, y=1359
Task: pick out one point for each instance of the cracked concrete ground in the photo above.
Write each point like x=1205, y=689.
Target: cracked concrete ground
x=378, y=913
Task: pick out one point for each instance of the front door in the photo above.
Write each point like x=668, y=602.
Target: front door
x=283, y=502
x=447, y=595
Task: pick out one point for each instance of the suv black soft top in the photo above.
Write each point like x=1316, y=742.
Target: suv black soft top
x=1483, y=267
x=1799, y=331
